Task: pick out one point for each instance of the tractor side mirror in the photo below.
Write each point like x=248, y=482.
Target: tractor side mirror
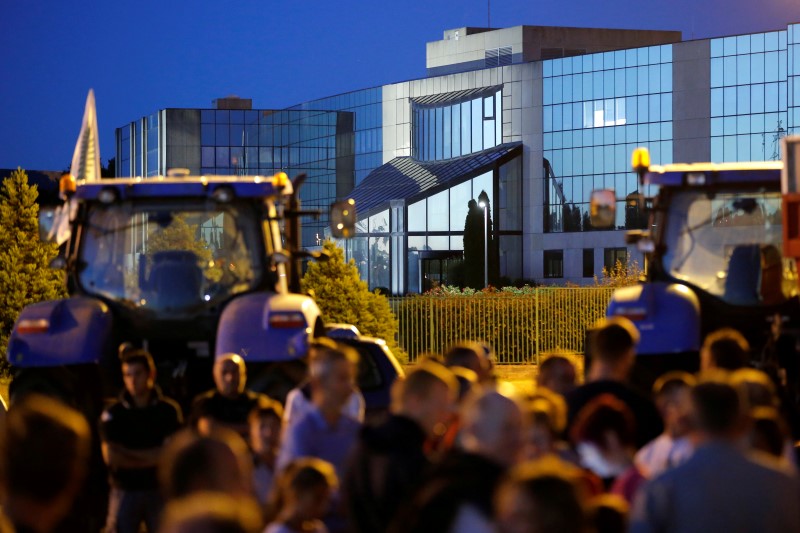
x=603, y=208
x=343, y=219
x=47, y=216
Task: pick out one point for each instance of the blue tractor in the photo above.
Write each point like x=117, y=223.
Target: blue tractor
x=187, y=267
x=713, y=246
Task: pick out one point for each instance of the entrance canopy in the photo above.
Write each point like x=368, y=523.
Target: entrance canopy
x=404, y=178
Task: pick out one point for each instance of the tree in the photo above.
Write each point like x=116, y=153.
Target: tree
x=177, y=233
x=110, y=170
x=343, y=297
x=25, y=276
x=473, y=246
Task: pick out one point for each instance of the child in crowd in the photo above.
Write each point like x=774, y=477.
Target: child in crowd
x=673, y=447
x=264, y=421
x=604, y=435
x=546, y=416
x=302, y=497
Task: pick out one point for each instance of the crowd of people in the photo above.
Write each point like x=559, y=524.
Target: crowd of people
x=458, y=452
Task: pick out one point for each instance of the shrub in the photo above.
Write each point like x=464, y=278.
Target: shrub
x=344, y=298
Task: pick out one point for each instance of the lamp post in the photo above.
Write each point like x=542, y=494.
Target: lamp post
x=485, y=208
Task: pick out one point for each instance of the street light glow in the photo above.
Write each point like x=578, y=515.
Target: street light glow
x=482, y=204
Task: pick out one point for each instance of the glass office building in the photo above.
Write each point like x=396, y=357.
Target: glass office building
x=750, y=95
x=536, y=132
x=366, y=108
x=247, y=142
x=596, y=109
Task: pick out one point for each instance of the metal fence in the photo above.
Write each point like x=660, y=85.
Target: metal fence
x=520, y=327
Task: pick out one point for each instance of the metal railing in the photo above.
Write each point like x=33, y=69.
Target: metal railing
x=520, y=327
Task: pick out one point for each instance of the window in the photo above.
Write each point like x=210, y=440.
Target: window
x=456, y=128
x=612, y=255
x=588, y=262
x=554, y=263
x=596, y=109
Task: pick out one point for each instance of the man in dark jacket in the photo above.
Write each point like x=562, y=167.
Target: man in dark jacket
x=229, y=403
x=458, y=494
x=613, y=348
x=389, y=460
x=134, y=431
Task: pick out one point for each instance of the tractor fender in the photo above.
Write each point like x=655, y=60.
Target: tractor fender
x=667, y=316
x=60, y=332
x=267, y=327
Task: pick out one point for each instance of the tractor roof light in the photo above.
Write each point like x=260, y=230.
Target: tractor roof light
x=67, y=185
x=640, y=160
x=281, y=180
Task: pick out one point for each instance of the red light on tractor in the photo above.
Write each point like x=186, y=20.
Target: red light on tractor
x=287, y=320
x=28, y=326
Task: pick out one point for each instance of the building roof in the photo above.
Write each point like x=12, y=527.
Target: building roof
x=404, y=178
x=438, y=99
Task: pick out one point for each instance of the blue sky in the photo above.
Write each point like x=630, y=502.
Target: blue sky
x=141, y=56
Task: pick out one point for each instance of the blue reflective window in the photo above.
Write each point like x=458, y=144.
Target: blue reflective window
x=757, y=42
x=771, y=66
x=466, y=128
x=447, y=124
x=743, y=99
x=437, y=138
x=456, y=115
x=222, y=134
x=477, y=126
x=498, y=116
x=771, y=41
x=716, y=48
x=770, y=97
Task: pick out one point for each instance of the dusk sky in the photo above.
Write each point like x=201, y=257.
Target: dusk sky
x=141, y=56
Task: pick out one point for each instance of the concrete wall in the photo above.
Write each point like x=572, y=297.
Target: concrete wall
x=466, y=51
x=691, y=102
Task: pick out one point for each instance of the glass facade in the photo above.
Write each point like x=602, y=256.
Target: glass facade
x=246, y=142
x=367, y=109
x=793, y=90
x=390, y=246
x=750, y=95
x=458, y=127
x=596, y=109
x=249, y=142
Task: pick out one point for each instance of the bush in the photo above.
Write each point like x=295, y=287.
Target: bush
x=344, y=298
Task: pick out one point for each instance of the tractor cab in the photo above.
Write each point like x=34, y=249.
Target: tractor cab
x=714, y=258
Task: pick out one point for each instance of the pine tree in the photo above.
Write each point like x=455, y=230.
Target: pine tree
x=343, y=297
x=25, y=276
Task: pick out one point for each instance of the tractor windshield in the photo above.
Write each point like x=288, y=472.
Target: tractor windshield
x=170, y=258
x=729, y=245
